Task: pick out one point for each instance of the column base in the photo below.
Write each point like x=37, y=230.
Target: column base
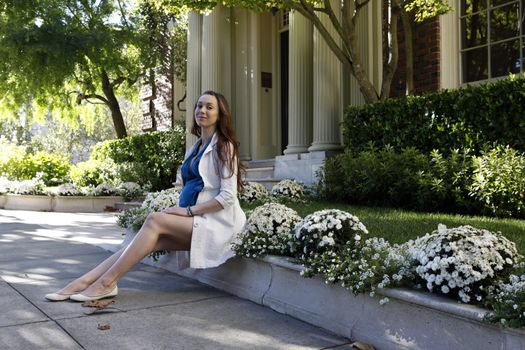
x=293, y=149
x=301, y=166
x=321, y=146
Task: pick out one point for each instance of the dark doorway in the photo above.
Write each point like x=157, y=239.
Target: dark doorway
x=284, y=90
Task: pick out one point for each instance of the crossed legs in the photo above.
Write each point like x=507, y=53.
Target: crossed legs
x=160, y=231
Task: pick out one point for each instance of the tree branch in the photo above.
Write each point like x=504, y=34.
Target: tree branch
x=116, y=83
x=393, y=49
x=359, y=6
x=82, y=97
x=124, y=19
x=307, y=11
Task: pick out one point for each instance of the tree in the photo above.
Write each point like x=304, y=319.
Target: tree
x=72, y=57
x=345, y=43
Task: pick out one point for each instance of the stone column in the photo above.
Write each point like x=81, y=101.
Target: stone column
x=242, y=81
x=300, y=84
x=327, y=91
x=217, y=52
x=194, y=66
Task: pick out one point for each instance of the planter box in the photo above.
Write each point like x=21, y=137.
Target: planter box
x=89, y=204
x=3, y=199
x=410, y=320
x=28, y=202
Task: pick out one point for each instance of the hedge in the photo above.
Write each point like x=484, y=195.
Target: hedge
x=16, y=163
x=475, y=117
x=149, y=159
x=492, y=183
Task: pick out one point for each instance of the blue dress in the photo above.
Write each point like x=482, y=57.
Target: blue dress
x=191, y=179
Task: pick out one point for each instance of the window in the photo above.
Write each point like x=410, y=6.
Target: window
x=492, y=38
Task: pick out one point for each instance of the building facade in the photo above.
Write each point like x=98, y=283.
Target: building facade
x=288, y=91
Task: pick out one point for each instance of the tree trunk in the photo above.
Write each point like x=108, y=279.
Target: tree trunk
x=113, y=105
x=409, y=52
x=347, y=57
x=390, y=62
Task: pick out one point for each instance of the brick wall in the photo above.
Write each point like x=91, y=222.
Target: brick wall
x=426, y=58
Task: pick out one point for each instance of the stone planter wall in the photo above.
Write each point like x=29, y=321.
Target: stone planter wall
x=3, y=199
x=86, y=204
x=410, y=320
x=90, y=204
x=28, y=202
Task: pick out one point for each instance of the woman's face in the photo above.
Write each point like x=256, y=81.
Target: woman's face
x=207, y=111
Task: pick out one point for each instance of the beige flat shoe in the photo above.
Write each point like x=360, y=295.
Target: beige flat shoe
x=57, y=296
x=82, y=297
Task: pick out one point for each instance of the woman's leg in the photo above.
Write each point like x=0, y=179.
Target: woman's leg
x=81, y=283
x=161, y=231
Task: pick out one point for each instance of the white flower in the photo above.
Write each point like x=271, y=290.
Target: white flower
x=289, y=189
x=271, y=225
x=384, y=301
x=68, y=189
x=253, y=191
x=458, y=259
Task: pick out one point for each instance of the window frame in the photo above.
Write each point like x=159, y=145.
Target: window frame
x=489, y=44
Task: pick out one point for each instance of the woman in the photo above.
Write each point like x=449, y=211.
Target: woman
x=204, y=223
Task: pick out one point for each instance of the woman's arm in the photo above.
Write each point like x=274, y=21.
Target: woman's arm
x=197, y=209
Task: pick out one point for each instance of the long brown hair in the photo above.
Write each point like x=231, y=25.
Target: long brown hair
x=226, y=136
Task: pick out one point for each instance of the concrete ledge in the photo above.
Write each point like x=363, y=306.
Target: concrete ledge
x=3, y=199
x=84, y=204
x=28, y=202
x=410, y=320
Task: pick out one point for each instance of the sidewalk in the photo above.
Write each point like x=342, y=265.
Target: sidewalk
x=155, y=309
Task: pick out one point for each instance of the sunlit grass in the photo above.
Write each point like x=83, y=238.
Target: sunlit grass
x=398, y=226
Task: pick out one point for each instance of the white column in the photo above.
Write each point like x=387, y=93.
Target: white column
x=450, y=35
x=217, y=52
x=327, y=91
x=300, y=84
x=194, y=67
x=242, y=82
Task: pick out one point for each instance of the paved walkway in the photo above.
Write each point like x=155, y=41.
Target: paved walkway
x=155, y=309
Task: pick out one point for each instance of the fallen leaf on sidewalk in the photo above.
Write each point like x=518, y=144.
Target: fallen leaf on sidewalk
x=104, y=326
x=99, y=304
x=362, y=346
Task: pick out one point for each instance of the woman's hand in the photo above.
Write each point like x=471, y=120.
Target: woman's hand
x=176, y=211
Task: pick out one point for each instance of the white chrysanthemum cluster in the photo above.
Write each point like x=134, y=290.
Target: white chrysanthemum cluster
x=68, y=189
x=322, y=236
x=374, y=264
x=157, y=201
x=253, y=192
x=508, y=302
x=268, y=230
x=105, y=189
x=130, y=190
x=134, y=218
x=288, y=190
x=5, y=185
x=462, y=261
x=29, y=187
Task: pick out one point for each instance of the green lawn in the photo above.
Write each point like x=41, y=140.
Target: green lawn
x=398, y=226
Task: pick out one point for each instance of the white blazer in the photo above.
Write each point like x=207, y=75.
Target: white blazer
x=213, y=233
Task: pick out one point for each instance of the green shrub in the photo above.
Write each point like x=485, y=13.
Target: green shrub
x=55, y=168
x=17, y=163
x=475, y=117
x=491, y=184
x=499, y=182
x=375, y=177
x=149, y=159
x=93, y=173
x=445, y=185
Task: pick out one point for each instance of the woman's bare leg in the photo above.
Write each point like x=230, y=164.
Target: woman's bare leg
x=81, y=283
x=161, y=231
